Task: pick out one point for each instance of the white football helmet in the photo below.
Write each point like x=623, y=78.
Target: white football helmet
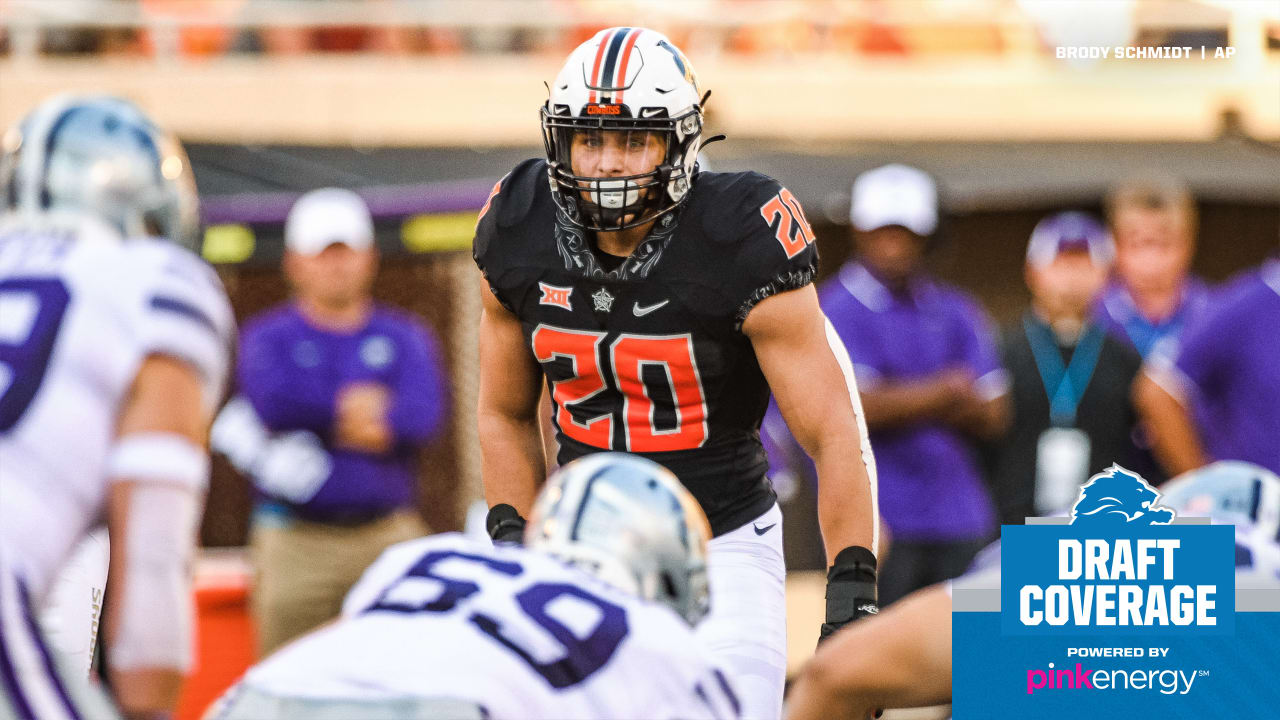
x=100, y=155
x=1229, y=491
x=629, y=522
x=623, y=79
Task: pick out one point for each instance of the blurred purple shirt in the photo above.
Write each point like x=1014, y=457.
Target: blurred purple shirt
x=1227, y=366
x=292, y=371
x=931, y=486
x=1119, y=315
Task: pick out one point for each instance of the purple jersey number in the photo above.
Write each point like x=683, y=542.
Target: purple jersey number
x=35, y=306
x=582, y=657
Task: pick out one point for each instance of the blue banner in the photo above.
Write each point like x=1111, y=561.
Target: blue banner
x=1119, y=610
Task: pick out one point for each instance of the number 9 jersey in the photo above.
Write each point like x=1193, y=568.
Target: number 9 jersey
x=80, y=308
x=649, y=357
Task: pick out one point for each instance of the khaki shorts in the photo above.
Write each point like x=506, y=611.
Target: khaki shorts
x=303, y=569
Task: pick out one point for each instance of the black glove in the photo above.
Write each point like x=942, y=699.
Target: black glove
x=851, y=589
x=505, y=524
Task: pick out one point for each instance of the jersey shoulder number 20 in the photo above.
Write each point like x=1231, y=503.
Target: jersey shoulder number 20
x=793, y=231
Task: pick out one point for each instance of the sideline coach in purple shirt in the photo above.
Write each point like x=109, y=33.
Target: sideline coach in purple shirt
x=1215, y=394
x=930, y=379
x=362, y=382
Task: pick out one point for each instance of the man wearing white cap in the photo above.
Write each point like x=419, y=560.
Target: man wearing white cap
x=930, y=380
x=333, y=377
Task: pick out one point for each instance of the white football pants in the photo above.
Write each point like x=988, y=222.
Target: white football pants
x=747, y=626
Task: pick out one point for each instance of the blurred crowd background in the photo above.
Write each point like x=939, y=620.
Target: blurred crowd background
x=420, y=106
x=773, y=28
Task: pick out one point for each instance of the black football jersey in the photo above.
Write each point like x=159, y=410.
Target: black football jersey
x=649, y=357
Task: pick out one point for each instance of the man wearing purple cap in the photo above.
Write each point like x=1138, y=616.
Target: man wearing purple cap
x=343, y=393
x=1152, y=295
x=1215, y=395
x=1070, y=379
x=929, y=376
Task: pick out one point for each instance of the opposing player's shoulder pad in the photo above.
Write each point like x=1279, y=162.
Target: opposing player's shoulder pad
x=184, y=311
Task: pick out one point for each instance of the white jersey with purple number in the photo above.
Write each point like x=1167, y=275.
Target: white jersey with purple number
x=508, y=630
x=1257, y=556
x=80, y=308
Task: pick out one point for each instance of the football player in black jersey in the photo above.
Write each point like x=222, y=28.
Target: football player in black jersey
x=662, y=304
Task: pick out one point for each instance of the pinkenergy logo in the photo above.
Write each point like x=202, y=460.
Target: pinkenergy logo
x=1166, y=681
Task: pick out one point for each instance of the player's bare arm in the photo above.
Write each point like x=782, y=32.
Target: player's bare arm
x=513, y=464
x=789, y=335
x=547, y=425
x=147, y=590
x=901, y=658
x=1174, y=440
x=817, y=397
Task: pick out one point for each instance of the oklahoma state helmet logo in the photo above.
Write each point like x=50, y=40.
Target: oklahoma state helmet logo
x=552, y=295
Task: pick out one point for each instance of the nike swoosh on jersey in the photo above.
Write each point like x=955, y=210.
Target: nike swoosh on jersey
x=762, y=530
x=642, y=311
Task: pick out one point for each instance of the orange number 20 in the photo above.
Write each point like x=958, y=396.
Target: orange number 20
x=786, y=208
x=628, y=355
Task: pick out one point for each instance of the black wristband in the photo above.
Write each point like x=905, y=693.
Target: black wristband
x=851, y=588
x=505, y=524
x=853, y=563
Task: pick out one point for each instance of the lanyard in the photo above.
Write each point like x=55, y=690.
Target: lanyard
x=1144, y=334
x=1065, y=386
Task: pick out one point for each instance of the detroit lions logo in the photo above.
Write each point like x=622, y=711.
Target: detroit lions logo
x=1116, y=497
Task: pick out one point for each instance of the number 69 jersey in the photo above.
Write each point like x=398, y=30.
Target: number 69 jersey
x=650, y=357
x=80, y=308
x=508, y=631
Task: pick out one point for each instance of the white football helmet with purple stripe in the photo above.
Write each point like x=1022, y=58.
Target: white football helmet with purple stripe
x=103, y=156
x=1229, y=491
x=623, y=79
x=629, y=522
